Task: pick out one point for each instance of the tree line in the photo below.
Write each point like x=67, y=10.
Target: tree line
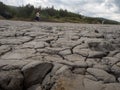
x=28, y=12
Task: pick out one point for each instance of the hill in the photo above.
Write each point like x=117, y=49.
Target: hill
x=48, y=14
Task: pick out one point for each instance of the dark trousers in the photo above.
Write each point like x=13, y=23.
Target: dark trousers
x=37, y=18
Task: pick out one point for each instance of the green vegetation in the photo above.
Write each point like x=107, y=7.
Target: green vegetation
x=47, y=14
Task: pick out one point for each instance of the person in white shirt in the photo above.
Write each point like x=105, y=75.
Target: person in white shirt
x=37, y=18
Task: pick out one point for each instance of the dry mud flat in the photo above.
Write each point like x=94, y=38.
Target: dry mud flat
x=59, y=56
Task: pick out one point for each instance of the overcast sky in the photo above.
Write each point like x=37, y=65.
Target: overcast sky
x=96, y=8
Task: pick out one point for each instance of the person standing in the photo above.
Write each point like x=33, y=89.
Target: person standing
x=37, y=18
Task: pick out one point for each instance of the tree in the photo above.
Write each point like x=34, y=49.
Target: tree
x=5, y=11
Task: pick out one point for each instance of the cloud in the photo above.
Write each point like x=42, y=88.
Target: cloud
x=107, y=9
x=96, y=8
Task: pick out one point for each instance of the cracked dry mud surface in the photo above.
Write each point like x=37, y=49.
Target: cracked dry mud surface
x=59, y=56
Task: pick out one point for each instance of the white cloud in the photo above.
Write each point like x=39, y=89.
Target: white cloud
x=97, y=8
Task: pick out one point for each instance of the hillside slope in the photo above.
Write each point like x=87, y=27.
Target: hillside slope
x=48, y=14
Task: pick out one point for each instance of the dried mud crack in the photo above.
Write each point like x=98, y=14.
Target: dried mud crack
x=59, y=56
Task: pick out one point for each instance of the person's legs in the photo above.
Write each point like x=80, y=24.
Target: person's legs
x=37, y=18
